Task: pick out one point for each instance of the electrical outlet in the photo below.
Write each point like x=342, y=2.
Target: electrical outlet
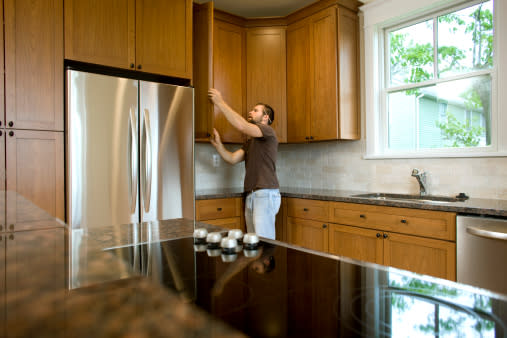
x=216, y=158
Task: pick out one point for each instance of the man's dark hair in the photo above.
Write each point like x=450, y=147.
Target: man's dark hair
x=268, y=110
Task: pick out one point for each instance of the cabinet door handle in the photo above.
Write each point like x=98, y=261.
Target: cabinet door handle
x=324, y=226
x=11, y=133
x=362, y=216
x=11, y=227
x=219, y=209
x=311, y=137
x=1, y=133
x=11, y=236
x=404, y=221
x=11, y=123
x=385, y=236
x=139, y=67
x=378, y=234
x=132, y=65
x=305, y=209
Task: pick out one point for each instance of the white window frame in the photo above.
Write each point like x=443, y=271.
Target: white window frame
x=381, y=15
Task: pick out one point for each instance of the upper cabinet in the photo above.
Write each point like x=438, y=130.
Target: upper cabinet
x=266, y=73
x=322, y=77
x=34, y=64
x=151, y=36
x=219, y=62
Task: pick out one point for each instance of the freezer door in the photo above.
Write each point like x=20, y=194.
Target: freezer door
x=166, y=151
x=102, y=117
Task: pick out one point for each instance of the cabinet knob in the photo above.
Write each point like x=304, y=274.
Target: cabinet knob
x=132, y=65
x=1, y=133
x=11, y=133
x=11, y=123
x=208, y=134
x=11, y=236
x=0, y=123
x=362, y=216
x=305, y=209
x=307, y=138
x=385, y=236
x=311, y=137
x=139, y=67
x=219, y=209
x=11, y=227
x=404, y=221
x=324, y=226
x=378, y=235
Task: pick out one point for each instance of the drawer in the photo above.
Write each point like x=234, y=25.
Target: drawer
x=308, y=209
x=218, y=208
x=426, y=223
x=229, y=223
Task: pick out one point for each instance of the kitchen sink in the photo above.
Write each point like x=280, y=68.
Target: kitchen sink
x=413, y=198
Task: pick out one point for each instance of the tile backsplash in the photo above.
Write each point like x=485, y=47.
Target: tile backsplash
x=339, y=165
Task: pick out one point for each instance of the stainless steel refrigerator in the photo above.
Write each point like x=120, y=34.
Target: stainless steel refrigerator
x=130, y=150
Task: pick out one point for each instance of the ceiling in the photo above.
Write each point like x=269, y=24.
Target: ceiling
x=259, y=8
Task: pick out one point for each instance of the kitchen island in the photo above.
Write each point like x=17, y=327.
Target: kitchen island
x=150, y=280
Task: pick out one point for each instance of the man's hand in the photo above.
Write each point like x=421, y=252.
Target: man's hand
x=215, y=138
x=215, y=96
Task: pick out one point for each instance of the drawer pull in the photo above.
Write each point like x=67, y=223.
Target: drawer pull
x=362, y=216
x=378, y=235
x=385, y=236
x=404, y=221
x=219, y=209
x=305, y=209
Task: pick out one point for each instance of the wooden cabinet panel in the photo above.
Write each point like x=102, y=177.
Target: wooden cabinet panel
x=357, y=243
x=2, y=182
x=228, y=75
x=2, y=70
x=308, y=209
x=298, y=93
x=266, y=73
x=422, y=255
x=307, y=233
x=35, y=170
x=427, y=223
x=203, y=69
x=34, y=64
x=348, y=70
x=101, y=32
x=281, y=221
x=218, y=208
x=323, y=78
x=164, y=37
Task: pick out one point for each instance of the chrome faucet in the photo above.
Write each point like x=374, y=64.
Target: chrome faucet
x=421, y=178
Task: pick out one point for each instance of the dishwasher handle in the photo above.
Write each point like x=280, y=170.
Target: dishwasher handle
x=488, y=231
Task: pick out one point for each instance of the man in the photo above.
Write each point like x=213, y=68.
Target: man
x=259, y=153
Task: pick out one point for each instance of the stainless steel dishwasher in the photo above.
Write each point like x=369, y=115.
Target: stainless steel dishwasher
x=481, y=245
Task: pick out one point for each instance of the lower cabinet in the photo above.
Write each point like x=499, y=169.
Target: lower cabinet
x=224, y=212
x=420, y=241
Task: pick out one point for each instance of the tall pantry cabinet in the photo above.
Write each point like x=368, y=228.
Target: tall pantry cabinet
x=31, y=131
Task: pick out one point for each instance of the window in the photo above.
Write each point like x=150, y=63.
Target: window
x=438, y=83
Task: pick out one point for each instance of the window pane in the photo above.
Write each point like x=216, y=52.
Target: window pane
x=465, y=40
x=450, y=114
x=411, y=54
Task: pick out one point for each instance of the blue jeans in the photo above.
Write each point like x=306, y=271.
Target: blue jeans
x=261, y=207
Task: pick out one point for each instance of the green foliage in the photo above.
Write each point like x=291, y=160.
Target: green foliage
x=458, y=133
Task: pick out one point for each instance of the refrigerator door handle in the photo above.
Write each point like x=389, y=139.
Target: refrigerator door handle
x=133, y=160
x=147, y=159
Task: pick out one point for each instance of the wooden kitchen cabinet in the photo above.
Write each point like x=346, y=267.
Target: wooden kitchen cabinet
x=219, y=62
x=322, y=77
x=422, y=241
x=308, y=233
x=35, y=170
x=266, y=73
x=224, y=212
x=151, y=36
x=34, y=64
x=358, y=243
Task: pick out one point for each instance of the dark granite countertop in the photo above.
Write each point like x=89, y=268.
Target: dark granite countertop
x=472, y=206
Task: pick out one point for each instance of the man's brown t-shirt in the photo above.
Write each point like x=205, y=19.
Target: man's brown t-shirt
x=260, y=160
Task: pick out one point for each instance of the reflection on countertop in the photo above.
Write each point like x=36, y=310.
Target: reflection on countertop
x=475, y=206
x=42, y=294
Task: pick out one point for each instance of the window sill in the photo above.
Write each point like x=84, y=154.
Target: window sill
x=432, y=155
